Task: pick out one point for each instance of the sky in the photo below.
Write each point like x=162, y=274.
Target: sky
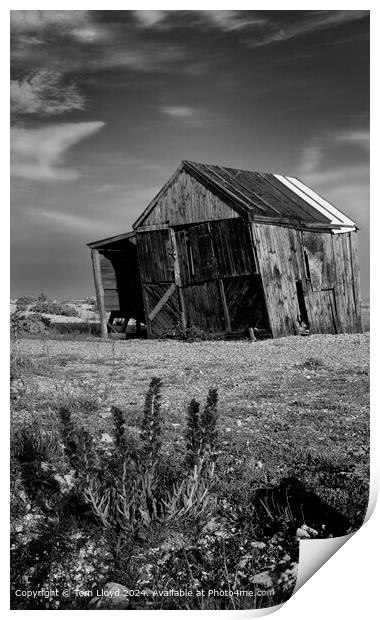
x=105, y=105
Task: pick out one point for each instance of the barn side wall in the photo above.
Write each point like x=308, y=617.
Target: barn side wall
x=325, y=266
x=212, y=265
x=187, y=201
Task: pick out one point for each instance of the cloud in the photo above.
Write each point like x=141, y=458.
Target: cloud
x=37, y=153
x=178, y=111
x=354, y=137
x=309, y=21
x=230, y=21
x=58, y=219
x=148, y=19
x=26, y=21
x=45, y=92
x=92, y=42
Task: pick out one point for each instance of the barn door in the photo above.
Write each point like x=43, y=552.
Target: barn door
x=157, y=270
x=195, y=252
x=162, y=308
x=322, y=312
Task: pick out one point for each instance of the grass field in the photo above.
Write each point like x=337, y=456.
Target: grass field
x=292, y=406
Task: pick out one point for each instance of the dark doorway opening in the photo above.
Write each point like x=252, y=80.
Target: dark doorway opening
x=301, y=304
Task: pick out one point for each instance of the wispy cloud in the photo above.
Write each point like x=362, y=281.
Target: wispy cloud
x=354, y=137
x=83, y=41
x=148, y=19
x=36, y=154
x=25, y=21
x=230, y=21
x=275, y=30
x=44, y=92
x=178, y=111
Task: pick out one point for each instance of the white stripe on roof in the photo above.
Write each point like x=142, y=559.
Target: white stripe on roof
x=321, y=205
x=345, y=229
x=327, y=205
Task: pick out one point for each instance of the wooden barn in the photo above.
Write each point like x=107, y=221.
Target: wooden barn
x=227, y=251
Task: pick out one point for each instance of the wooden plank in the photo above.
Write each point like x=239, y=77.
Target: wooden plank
x=155, y=256
x=177, y=273
x=245, y=302
x=99, y=291
x=146, y=310
x=165, y=321
x=356, y=279
x=204, y=307
x=225, y=307
x=162, y=302
x=233, y=247
x=176, y=267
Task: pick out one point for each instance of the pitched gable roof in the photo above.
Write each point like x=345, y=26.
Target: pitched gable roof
x=262, y=196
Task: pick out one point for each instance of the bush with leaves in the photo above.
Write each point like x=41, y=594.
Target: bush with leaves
x=51, y=307
x=31, y=324
x=24, y=301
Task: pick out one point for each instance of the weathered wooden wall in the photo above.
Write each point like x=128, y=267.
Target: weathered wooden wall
x=212, y=265
x=187, y=201
x=327, y=266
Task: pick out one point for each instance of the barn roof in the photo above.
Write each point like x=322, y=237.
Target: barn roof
x=108, y=241
x=262, y=196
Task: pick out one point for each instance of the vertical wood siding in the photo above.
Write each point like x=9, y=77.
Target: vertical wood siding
x=204, y=307
x=233, y=247
x=187, y=201
x=332, y=292
x=277, y=251
x=155, y=256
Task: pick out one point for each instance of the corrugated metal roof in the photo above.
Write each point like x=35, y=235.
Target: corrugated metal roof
x=270, y=196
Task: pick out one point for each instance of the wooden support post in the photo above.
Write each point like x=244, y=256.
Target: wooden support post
x=99, y=292
x=252, y=333
x=225, y=307
x=177, y=278
x=146, y=309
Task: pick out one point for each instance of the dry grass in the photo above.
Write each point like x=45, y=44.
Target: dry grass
x=280, y=399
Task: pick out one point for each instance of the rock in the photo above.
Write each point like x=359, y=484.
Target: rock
x=111, y=596
x=263, y=579
x=106, y=438
x=306, y=532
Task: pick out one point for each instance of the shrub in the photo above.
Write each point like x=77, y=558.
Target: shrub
x=192, y=333
x=24, y=301
x=50, y=307
x=33, y=323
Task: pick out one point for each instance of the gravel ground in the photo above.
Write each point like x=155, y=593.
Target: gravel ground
x=245, y=373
